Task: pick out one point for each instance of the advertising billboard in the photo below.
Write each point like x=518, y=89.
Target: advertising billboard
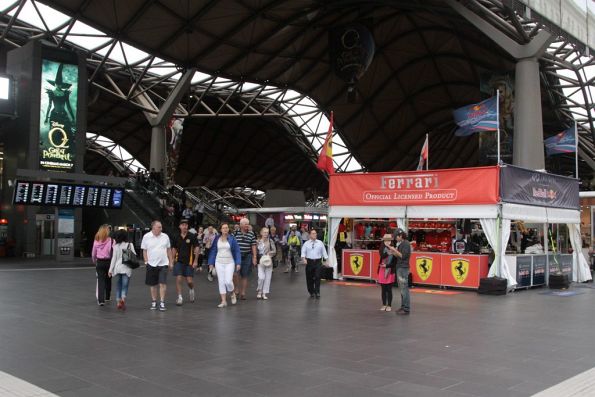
x=57, y=118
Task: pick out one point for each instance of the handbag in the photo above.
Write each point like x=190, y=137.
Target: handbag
x=129, y=258
x=265, y=260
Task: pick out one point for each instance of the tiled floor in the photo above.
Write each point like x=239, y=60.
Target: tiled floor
x=53, y=335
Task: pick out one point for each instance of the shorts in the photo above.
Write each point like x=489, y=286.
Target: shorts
x=246, y=265
x=156, y=275
x=182, y=269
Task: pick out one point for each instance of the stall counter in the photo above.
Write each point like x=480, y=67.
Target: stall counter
x=427, y=268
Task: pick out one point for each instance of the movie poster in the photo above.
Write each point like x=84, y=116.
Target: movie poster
x=57, y=118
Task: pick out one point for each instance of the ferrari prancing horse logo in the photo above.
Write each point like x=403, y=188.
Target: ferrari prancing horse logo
x=423, y=264
x=357, y=263
x=460, y=269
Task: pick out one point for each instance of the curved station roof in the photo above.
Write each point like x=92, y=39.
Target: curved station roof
x=257, y=111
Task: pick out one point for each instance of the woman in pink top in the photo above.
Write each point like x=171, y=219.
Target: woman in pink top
x=101, y=256
x=386, y=273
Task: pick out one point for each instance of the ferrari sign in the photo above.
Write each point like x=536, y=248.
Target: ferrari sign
x=460, y=269
x=357, y=263
x=423, y=266
x=436, y=187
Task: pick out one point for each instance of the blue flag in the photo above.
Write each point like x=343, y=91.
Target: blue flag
x=564, y=142
x=482, y=116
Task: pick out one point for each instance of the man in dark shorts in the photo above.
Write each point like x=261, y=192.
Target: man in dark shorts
x=185, y=252
x=157, y=255
x=247, y=241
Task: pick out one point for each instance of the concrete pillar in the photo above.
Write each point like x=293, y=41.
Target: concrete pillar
x=528, y=149
x=158, y=147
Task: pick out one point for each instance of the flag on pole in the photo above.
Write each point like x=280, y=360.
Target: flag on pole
x=564, y=142
x=482, y=116
x=325, y=159
x=423, y=156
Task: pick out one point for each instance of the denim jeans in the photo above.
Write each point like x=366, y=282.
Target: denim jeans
x=403, y=279
x=122, y=286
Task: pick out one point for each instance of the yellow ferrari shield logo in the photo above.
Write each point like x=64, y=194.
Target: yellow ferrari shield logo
x=357, y=263
x=423, y=264
x=460, y=269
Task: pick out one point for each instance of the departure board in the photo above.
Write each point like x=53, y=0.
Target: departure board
x=66, y=192
x=21, y=193
x=67, y=195
x=79, y=196
x=51, y=195
x=92, y=196
x=36, y=193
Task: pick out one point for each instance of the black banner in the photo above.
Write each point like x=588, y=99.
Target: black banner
x=522, y=186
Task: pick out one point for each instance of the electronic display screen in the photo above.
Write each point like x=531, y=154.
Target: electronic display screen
x=36, y=193
x=51, y=195
x=66, y=192
x=92, y=196
x=21, y=193
x=79, y=196
x=67, y=195
x=104, y=197
x=117, y=198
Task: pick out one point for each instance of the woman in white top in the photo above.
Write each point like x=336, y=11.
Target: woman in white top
x=266, y=252
x=120, y=270
x=224, y=255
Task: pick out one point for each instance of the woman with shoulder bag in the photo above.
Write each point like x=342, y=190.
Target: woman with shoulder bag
x=266, y=251
x=224, y=256
x=119, y=269
x=386, y=273
x=101, y=256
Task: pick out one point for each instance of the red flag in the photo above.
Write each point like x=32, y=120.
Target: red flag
x=325, y=160
x=423, y=156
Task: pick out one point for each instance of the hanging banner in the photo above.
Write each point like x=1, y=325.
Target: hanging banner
x=434, y=187
x=522, y=186
x=57, y=118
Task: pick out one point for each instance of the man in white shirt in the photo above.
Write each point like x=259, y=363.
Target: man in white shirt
x=313, y=252
x=158, y=258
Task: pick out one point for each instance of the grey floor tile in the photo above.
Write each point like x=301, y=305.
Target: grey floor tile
x=290, y=346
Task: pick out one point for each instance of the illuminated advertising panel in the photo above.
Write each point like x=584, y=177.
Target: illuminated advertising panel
x=57, y=118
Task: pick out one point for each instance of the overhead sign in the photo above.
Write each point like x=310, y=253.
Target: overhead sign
x=67, y=195
x=434, y=187
x=58, y=115
x=522, y=186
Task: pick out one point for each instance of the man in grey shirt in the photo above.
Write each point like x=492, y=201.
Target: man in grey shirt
x=402, y=252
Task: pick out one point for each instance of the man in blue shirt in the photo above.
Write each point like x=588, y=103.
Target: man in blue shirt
x=313, y=252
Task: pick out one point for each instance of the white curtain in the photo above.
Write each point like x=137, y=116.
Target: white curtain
x=333, y=233
x=580, y=266
x=497, y=234
x=402, y=224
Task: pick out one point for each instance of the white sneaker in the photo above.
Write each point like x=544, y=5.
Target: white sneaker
x=258, y=296
x=191, y=295
x=264, y=297
x=234, y=299
x=209, y=276
x=222, y=305
x=154, y=305
x=180, y=300
x=162, y=306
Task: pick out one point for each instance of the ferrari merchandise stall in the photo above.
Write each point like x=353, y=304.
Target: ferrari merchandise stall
x=495, y=196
